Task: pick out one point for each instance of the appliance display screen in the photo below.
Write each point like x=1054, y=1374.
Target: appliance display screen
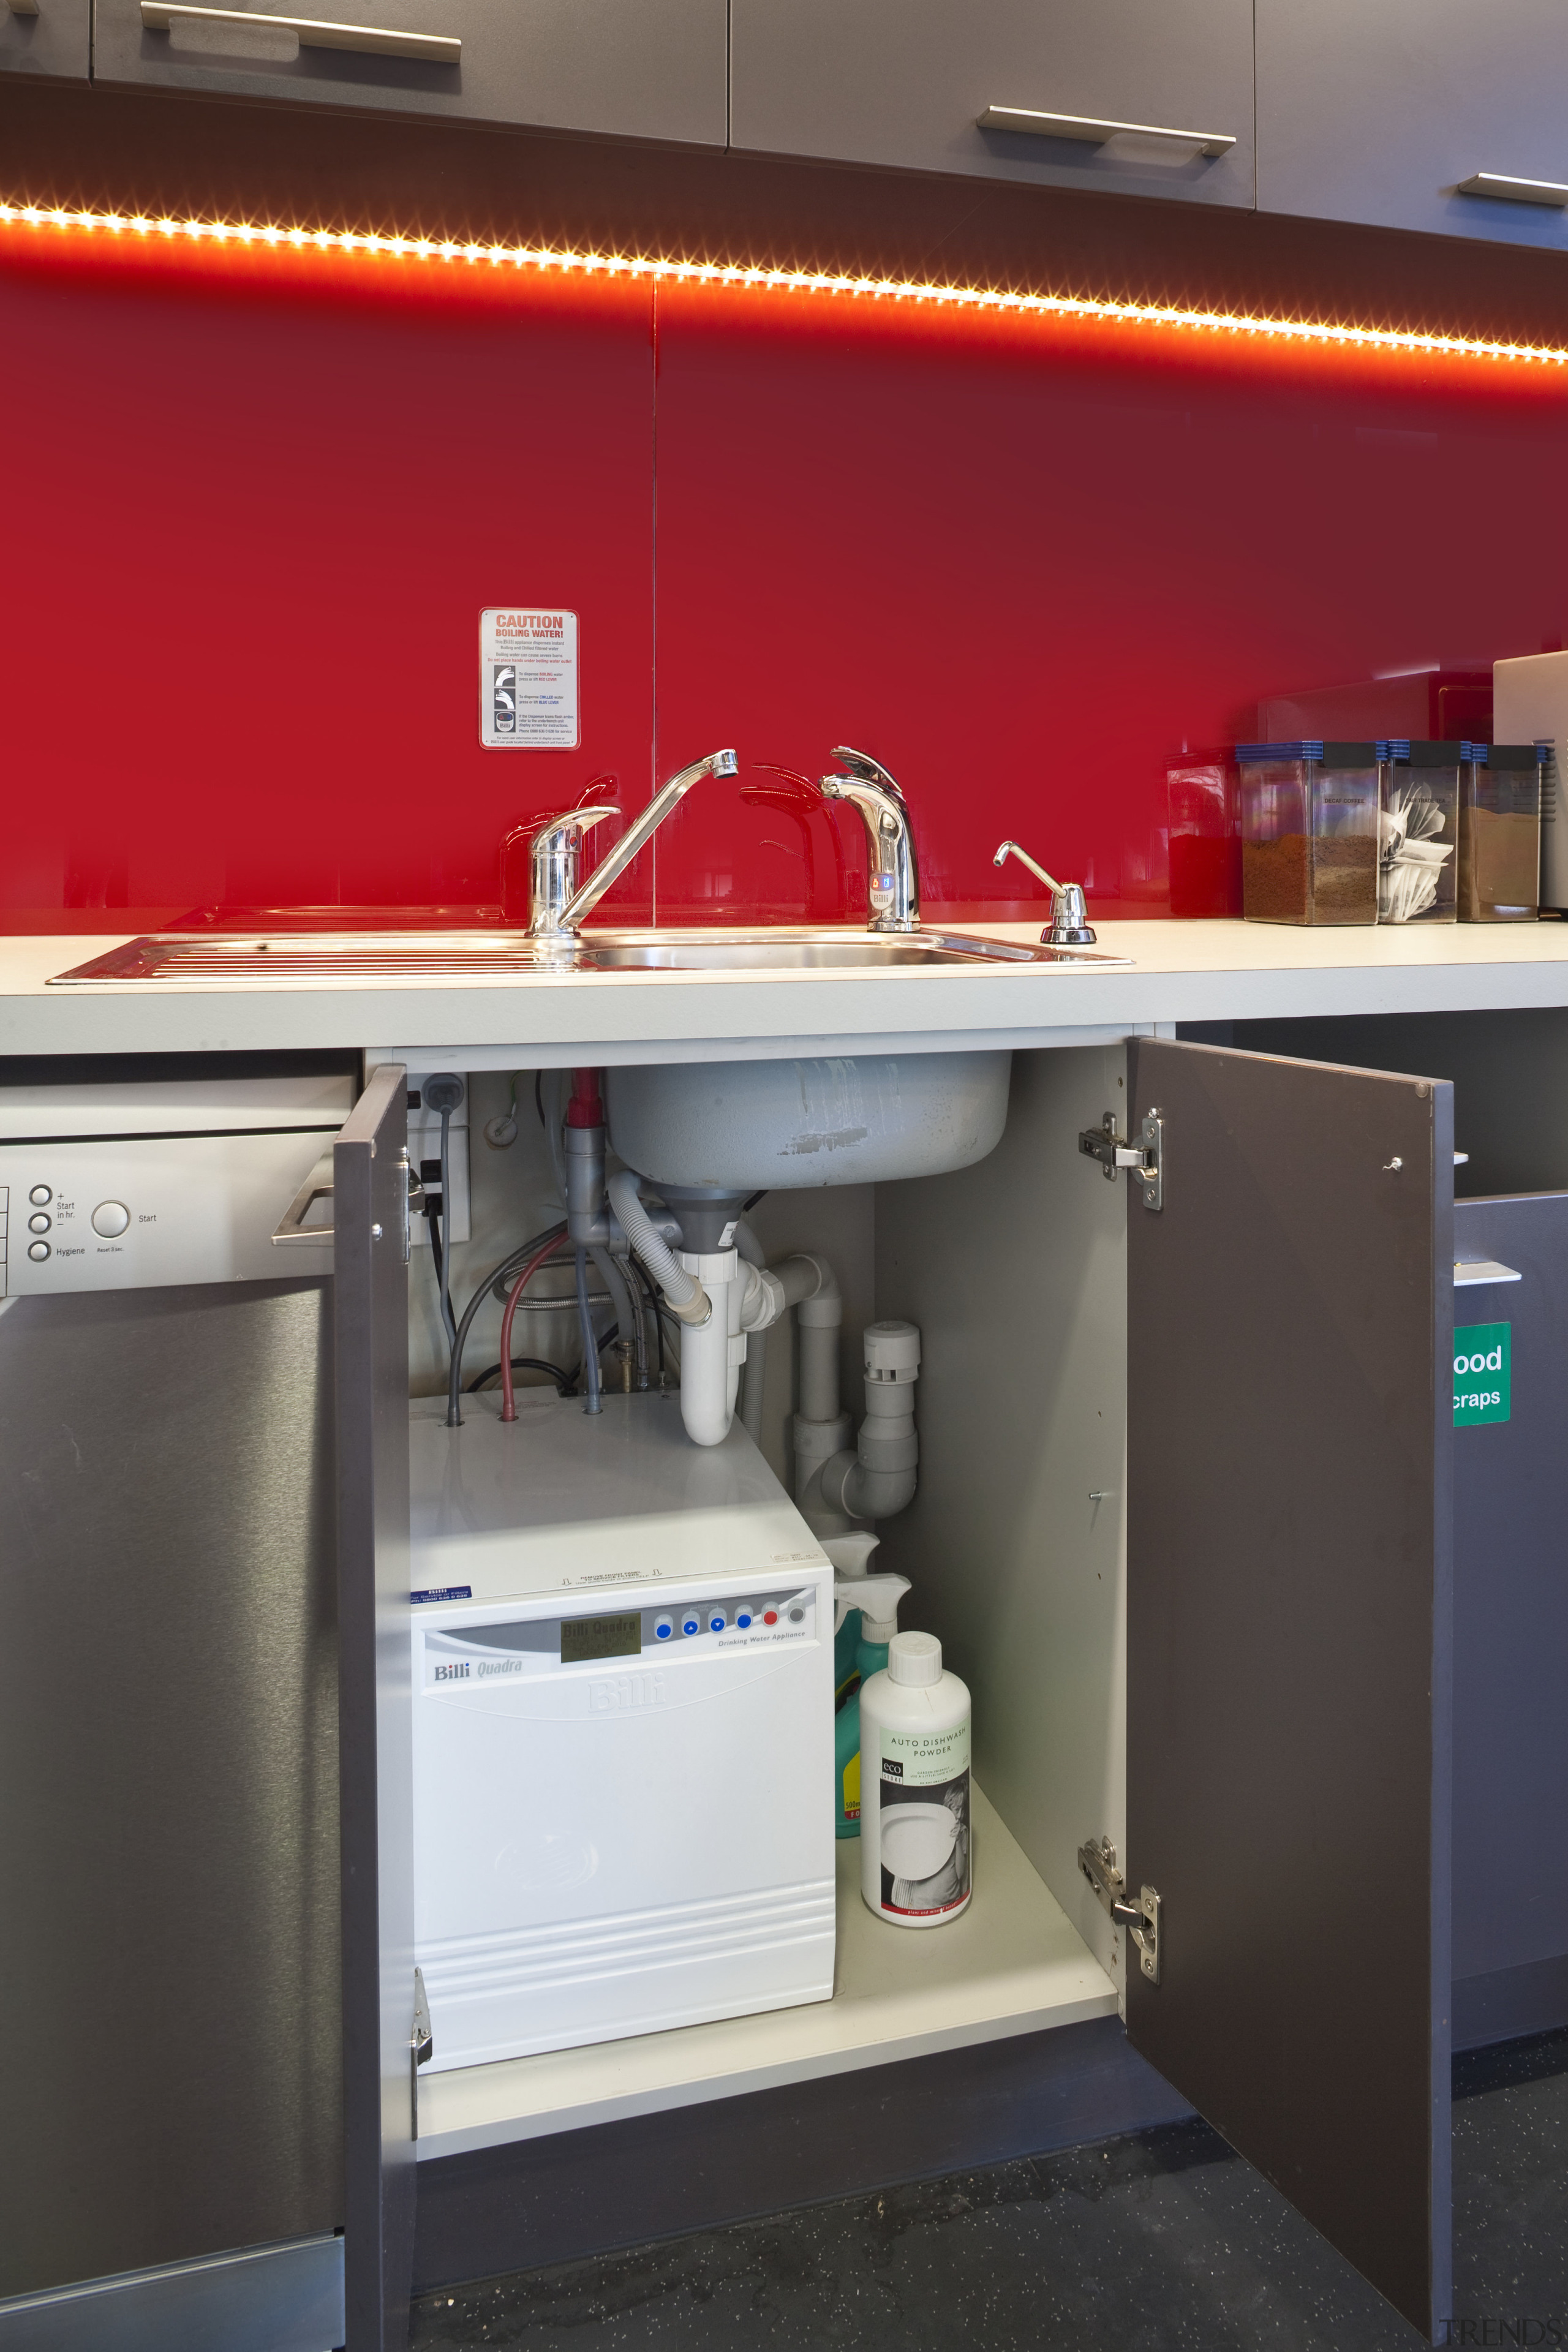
x=600, y=1637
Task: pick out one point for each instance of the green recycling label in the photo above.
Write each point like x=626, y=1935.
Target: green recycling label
x=1483, y=1389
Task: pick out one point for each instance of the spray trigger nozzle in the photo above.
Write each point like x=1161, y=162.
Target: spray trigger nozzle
x=876, y=1596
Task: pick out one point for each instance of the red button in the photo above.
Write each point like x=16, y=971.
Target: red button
x=769, y=1616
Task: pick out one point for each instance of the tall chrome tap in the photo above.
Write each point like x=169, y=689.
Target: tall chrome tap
x=558, y=902
x=892, y=875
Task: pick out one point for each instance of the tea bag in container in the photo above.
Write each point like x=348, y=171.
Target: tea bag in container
x=1417, y=832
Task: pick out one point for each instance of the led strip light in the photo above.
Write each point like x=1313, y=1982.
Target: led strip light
x=991, y=302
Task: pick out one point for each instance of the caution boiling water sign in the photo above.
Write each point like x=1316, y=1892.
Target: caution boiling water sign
x=1483, y=1373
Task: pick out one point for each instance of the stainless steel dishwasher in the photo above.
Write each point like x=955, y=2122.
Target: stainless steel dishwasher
x=168, y=1866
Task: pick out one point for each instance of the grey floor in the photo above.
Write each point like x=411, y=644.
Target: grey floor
x=1153, y=2243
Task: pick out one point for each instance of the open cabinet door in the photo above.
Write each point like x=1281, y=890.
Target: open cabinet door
x=369, y=1224
x=1289, y=1633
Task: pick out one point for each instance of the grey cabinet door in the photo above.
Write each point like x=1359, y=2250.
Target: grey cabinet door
x=376, y=1728
x=55, y=41
x=1289, y=1611
x=905, y=82
x=635, y=69
x=1511, y=1598
x=1377, y=109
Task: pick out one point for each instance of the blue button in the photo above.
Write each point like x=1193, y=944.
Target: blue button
x=662, y=1629
x=717, y=1622
x=691, y=1625
x=742, y=1618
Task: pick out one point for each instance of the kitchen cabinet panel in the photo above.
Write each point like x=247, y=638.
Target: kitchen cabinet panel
x=55, y=41
x=375, y=1741
x=1290, y=1444
x=904, y=82
x=1378, y=111
x=654, y=71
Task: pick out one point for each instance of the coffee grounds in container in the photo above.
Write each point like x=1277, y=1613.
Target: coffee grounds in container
x=1294, y=880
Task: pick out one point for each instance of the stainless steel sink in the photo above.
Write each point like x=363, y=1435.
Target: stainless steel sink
x=202, y=959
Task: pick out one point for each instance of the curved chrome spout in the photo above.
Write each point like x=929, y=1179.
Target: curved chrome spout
x=892, y=870
x=1069, y=924
x=564, y=927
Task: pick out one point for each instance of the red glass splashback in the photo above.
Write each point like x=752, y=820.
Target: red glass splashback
x=1039, y=569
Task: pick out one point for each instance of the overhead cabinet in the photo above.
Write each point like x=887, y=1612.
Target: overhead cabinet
x=52, y=37
x=1129, y=97
x=1417, y=114
x=633, y=69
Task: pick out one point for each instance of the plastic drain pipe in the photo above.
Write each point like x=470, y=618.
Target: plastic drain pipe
x=879, y=1477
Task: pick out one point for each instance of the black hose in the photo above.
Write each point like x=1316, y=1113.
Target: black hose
x=513, y=1258
x=565, y=1383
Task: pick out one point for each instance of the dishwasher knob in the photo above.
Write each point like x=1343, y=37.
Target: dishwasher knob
x=40, y=1196
x=110, y=1219
x=691, y=1622
x=38, y=1222
x=38, y=1252
x=663, y=1627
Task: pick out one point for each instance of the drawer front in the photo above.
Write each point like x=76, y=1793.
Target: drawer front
x=1377, y=109
x=904, y=82
x=633, y=69
x=53, y=42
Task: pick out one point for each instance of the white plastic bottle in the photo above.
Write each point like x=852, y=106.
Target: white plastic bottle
x=916, y=1836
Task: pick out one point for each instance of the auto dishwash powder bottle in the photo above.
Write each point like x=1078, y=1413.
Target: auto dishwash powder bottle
x=916, y=1837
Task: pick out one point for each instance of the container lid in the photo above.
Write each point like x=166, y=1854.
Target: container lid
x=1421, y=754
x=1507, y=755
x=914, y=1658
x=1331, y=755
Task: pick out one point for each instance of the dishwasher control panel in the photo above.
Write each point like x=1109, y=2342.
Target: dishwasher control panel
x=134, y=1210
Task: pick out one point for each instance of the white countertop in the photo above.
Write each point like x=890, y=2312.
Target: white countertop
x=1205, y=970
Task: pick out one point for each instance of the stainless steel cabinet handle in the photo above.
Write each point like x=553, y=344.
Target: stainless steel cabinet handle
x=1091, y=128
x=291, y=1225
x=1514, y=191
x=433, y=48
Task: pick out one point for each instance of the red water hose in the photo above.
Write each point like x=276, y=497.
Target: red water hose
x=509, y=1406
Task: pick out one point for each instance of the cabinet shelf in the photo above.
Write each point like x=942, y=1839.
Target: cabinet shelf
x=1013, y=1964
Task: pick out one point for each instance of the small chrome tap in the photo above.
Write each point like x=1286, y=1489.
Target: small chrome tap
x=558, y=902
x=892, y=871
x=1070, y=925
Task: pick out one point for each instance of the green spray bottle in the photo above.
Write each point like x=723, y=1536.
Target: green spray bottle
x=850, y=1555
x=875, y=1600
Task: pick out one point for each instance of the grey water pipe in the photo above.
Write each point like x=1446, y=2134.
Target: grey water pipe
x=684, y=1292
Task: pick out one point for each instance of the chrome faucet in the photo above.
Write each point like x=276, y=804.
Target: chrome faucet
x=1070, y=925
x=892, y=873
x=558, y=902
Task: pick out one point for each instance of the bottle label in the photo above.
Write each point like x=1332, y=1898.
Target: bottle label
x=923, y=1821
x=852, y=1788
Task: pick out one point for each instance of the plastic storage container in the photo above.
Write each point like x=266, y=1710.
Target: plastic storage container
x=1500, y=832
x=1418, y=832
x=1309, y=831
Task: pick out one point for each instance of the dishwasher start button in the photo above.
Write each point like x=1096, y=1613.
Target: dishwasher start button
x=109, y=1219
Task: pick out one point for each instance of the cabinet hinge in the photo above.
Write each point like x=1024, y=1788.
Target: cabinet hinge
x=1140, y=1915
x=1143, y=1161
